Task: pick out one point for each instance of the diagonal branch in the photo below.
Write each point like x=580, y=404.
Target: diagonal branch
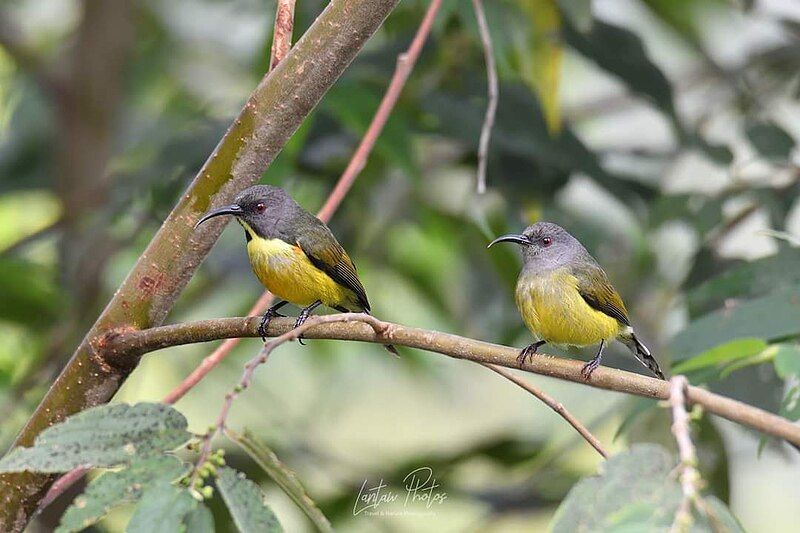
x=553, y=404
x=273, y=112
x=137, y=343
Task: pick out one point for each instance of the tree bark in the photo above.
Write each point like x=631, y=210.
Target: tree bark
x=273, y=112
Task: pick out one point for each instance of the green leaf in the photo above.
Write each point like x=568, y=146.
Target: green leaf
x=104, y=436
x=200, y=520
x=724, y=353
x=282, y=476
x=636, y=491
x=772, y=317
x=755, y=278
x=245, y=502
x=162, y=509
x=787, y=360
x=115, y=488
x=29, y=293
x=769, y=139
x=790, y=406
x=541, y=56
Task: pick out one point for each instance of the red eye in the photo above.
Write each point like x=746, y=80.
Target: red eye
x=260, y=207
x=547, y=241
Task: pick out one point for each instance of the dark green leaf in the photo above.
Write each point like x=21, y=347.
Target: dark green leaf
x=579, y=13
x=162, y=509
x=635, y=492
x=771, y=318
x=755, y=278
x=107, y=436
x=29, y=293
x=200, y=520
x=245, y=502
x=283, y=476
x=769, y=139
x=115, y=488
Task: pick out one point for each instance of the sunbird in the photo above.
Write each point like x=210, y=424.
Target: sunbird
x=566, y=299
x=294, y=255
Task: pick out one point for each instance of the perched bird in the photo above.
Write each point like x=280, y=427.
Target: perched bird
x=566, y=299
x=294, y=255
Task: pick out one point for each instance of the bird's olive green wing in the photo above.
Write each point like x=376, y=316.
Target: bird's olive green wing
x=325, y=253
x=597, y=291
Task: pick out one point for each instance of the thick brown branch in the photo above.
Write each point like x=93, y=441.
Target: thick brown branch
x=136, y=343
x=272, y=113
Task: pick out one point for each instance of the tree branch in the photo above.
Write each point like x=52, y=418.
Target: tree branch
x=136, y=343
x=271, y=115
x=553, y=404
x=690, y=477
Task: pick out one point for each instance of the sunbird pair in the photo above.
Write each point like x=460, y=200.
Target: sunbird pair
x=564, y=296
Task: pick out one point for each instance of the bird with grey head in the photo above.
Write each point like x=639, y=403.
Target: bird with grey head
x=294, y=255
x=565, y=297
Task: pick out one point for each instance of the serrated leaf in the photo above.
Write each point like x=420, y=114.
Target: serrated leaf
x=634, y=492
x=282, y=476
x=245, y=502
x=541, y=57
x=200, y=520
x=724, y=353
x=115, y=488
x=772, y=317
x=104, y=436
x=162, y=509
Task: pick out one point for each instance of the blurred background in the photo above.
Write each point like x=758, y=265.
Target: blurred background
x=662, y=133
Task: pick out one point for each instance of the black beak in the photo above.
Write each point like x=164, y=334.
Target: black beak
x=511, y=237
x=227, y=210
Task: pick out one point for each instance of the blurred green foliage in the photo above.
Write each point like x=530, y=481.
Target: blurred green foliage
x=676, y=154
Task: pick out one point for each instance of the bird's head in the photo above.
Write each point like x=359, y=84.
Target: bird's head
x=259, y=209
x=544, y=245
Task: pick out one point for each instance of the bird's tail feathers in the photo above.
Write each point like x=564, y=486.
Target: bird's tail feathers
x=642, y=353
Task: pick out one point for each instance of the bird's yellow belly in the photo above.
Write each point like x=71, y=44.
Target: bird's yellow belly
x=287, y=273
x=554, y=311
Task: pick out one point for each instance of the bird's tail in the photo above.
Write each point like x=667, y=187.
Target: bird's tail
x=642, y=353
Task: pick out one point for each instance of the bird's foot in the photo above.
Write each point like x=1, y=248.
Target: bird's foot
x=528, y=352
x=303, y=316
x=588, y=368
x=269, y=315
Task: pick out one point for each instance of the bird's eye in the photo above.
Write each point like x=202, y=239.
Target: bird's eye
x=547, y=241
x=261, y=207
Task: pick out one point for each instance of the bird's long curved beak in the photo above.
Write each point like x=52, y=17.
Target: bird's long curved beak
x=232, y=209
x=510, y=237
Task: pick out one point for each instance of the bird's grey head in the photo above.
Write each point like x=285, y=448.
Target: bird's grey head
x=264, y=208
x=545, y=246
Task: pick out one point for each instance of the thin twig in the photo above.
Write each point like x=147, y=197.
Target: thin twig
x=282, y=32
x=378, y=327
x=405, y=64
x=553, y=404
x=493, y=93
x=124, y=344
x=690, y=477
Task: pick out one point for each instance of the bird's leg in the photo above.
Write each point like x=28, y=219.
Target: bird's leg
x=304, y=313
x=590, y=367
x=528, y=352
x=271, y=312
